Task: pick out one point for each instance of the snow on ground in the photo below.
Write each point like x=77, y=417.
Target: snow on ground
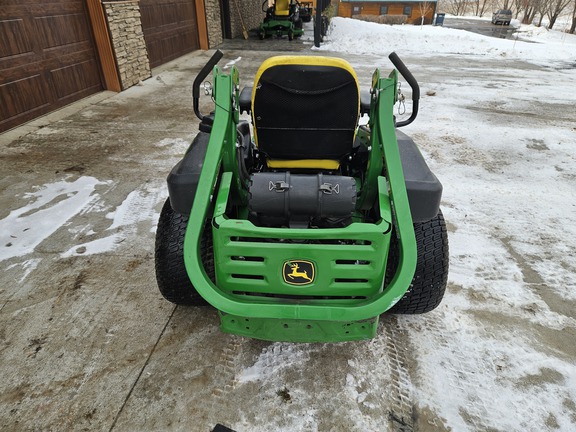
x=49, y=207
x=352, y=36
x=137, y=207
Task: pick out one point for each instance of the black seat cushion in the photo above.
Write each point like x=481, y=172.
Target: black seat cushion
x=305, y=111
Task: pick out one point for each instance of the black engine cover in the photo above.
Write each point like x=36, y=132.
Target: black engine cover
x=299, y=197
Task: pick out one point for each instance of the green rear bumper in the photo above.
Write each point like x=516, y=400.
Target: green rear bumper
x=348, y=275
x=299, y=330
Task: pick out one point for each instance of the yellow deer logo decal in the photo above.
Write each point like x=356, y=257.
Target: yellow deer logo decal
x=295, y=273
x=298, y=272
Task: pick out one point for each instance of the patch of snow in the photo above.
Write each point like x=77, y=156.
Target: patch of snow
x=173, y=142
x=28, y=266
x=272, y=360
x=137, y=208
x=232, y=63
x=48, y=209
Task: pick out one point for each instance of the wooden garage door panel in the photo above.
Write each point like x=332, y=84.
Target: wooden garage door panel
x=13, y=38
x=170, y=29
x=170, y=47
x=62, y=30
x=47, y=58
x=22, y=96
x=76, y=79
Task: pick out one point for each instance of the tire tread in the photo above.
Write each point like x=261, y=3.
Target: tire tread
x=431, y=276
x=171, y=275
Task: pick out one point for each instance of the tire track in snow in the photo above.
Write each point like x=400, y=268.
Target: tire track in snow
x=402, y=403
x=379, y=379
x=456, y=379
x=226, y=368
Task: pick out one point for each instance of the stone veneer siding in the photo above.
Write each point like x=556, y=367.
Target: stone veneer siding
x=252, y=15
x=128, y=42
x=213, y=22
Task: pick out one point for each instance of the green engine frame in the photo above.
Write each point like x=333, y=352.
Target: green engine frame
x=347, y=295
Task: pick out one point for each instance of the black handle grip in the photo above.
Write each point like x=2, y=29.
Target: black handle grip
x=401, y=67
x=201, y=77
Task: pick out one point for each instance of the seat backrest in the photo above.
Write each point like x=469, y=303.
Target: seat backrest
x=282, y=7
x=305, y=107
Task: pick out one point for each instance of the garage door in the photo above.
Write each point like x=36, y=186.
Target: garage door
x=47, y=58
x=170, y=29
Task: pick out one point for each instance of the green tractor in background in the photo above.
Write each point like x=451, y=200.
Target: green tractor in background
x=282, y=19
x=304, y=225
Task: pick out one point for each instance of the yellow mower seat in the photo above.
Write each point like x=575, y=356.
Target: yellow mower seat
x=282, y=8
x=305, y=111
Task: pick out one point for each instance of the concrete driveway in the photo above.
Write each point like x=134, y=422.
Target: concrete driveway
x=485, y=28
x=88, y=343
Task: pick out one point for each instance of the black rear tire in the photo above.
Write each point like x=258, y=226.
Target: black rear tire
x=171, y=275
x=431, y=276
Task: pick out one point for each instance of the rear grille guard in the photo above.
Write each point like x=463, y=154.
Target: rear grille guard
x=349, y=299
x=348, y=263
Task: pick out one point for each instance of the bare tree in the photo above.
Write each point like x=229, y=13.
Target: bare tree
x=484, y=5
x=424, y=7
x=540, y=7
x=456, y=7
x=554, y=9
x=573, y=26
x=480, y=7
x=528, y=9
x=521, y=6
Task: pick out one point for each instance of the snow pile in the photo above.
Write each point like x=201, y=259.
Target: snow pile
x=358, y=37
x=543, y=35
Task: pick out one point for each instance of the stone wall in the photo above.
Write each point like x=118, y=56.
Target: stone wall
x=252, y=15
x=213, y=22
x=128, y=41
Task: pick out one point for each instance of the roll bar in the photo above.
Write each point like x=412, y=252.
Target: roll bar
x=405, y=72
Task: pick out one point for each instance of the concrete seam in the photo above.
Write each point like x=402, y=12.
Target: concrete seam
x=142, y=370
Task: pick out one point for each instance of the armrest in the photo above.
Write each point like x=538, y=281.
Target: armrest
x=245, y=100
x=365, y=98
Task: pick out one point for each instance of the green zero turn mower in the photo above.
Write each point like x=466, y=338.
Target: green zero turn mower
x=282, y=19
x=311, y=226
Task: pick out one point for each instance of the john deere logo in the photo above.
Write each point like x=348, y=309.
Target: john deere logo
x=298, y=272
